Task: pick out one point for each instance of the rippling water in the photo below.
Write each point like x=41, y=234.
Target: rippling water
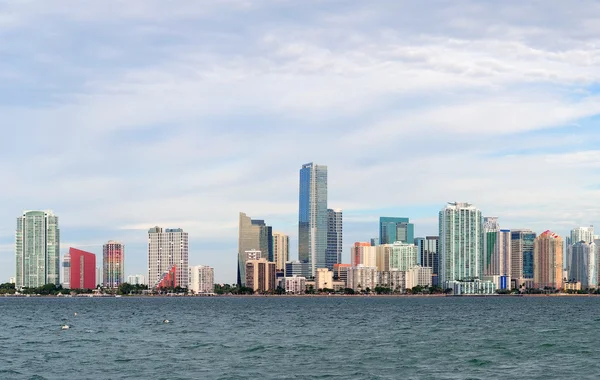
x=300, y=338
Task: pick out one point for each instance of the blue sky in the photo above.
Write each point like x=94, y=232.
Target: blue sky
x=122, y=115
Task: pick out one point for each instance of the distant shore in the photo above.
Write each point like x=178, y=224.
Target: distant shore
x=299, y=295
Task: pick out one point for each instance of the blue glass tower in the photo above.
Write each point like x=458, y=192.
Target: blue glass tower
x=396, y=229
x=312, y=218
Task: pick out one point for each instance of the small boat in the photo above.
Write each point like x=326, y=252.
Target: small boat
x=64, y=327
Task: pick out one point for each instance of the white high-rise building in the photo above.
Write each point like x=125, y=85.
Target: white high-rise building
x=403, y=256
x=37, y=249
x=66, y=283
x=202, y=279
x=323, y=279
x=497, y=248
x=585, y=234
x=294, y=284
x=461, y=244
x=583, y=266
x=281, y=250
x=136, y=279
x=167, y=258
x=363, y=254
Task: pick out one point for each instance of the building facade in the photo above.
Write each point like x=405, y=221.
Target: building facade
x=281, y=250
x=168, y=253
x=37, y=249
x=363, y=253
x=113, y=264
x=136, y=279
x=522, y=243
x=66, y=284
x=361, y=278
x=260, y=275
x=548, y=261
x=254, y=235
x=202, y=279
x=297, y=268
x=334, y=238
x=392, y=229
x=583, y=266
x=461, y=244
x=403, y=256
x=82, y=269
x=428, y=251
x=340, y=272
x=294, y=285
x=323, y=279
x=497, y=251
x=312, y=218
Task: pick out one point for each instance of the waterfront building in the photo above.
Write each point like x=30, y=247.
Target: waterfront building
x=37, y=249
x=312, y=218
x=497, y=247
x=136, y=279
x=578, y=234
x=12, y=280
x=383, y=254
x=340, y=272
x=572, y=286
x=323, y=279
x=472, y=287
x=490, y=243
x=521, y=269
x=113, y=264
x=281, y=249
x=461, y=243
x=82, y=269
x=428, y=254
x=392, y=229
x=422, y=275
x=334, y=238
x=260, y=275
x=297, y=268
x=363, y=253
x=294, y=285
x=66, y=271
x=254, y=235
x=583, y=266
x=361, y=278
x=202, y=279
x=548, y=261
x=394, y=279
x=167, y=258
x=403, y=256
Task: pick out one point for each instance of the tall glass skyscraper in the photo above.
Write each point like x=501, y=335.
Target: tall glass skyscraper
x=428, y=249
x=393, y=229
x=334, y=238
x=312, y=218
x=254, y=235
x=113, y=264
x=461, y=242
x=37, y=249
x=522, y=255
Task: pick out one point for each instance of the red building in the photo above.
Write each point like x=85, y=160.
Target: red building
x=83, y=269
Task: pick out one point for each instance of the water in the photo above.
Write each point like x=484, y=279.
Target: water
x=300, y=338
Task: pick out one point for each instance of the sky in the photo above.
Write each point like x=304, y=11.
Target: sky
x=120, y=115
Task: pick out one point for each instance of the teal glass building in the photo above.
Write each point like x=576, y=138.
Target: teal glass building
x=312, y=216
x=392, y=229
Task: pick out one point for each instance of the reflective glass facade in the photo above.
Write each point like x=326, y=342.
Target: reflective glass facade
x=254, y=234
x=334, y=238
x=522, y=254
x=312, y=216
x=392, y=229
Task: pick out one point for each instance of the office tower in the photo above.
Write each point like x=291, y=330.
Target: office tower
x=281, y=249
x=497, y=247
x=334, y=238
x=312, y=216
x=383, y=253
x=136, y=279
x=374, y=241
x=37, y=249
x=490, y=242
x=396, y=229
x=82, y=269
x=113, y=264
x=66, y=271
x=202, y=279
x=167, y=258
x=583, y=264
x=363, y=253
x=254, y=235
x=548, y=261
x=522, y=242
x=403, y=256
x=296, y=268
x=428, y=251
x=323, y=279
x=260, y=275
x=460, y=242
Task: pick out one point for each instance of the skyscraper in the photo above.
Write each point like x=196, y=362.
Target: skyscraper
x=312, y=218
x=281, y=250
x=113, y=264
x=497, y=247
x=363, y=253
x=490, y=242
x=82, y=271
x=583, y=264
x=37, y=249
x=66, y=284
x=167, y=258
x=428, y=250
x=461, y=242
x=393, y=229
x=522, y=242
x=548, y=261
x=403, y=256
x=585, y=234
x=253, y=234
x=334, y=238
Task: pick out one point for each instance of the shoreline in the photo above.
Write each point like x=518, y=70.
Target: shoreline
x=302, y=296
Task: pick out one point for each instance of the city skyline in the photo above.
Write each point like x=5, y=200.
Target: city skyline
x=117, y=135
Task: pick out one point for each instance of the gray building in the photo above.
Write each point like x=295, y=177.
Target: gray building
x=37, y=249
x=334, y=238
x=312, y=218
x=428, y=254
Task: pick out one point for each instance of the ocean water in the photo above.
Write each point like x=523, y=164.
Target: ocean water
x=300, y=338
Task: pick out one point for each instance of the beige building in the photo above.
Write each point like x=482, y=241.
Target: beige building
x=362, y=277
x=323, y=279
x=294, y=285
x=202, y=279
x=383, y=252
x=281, y=249
x=548, y=261
x=260, y=275
x=363, y=254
